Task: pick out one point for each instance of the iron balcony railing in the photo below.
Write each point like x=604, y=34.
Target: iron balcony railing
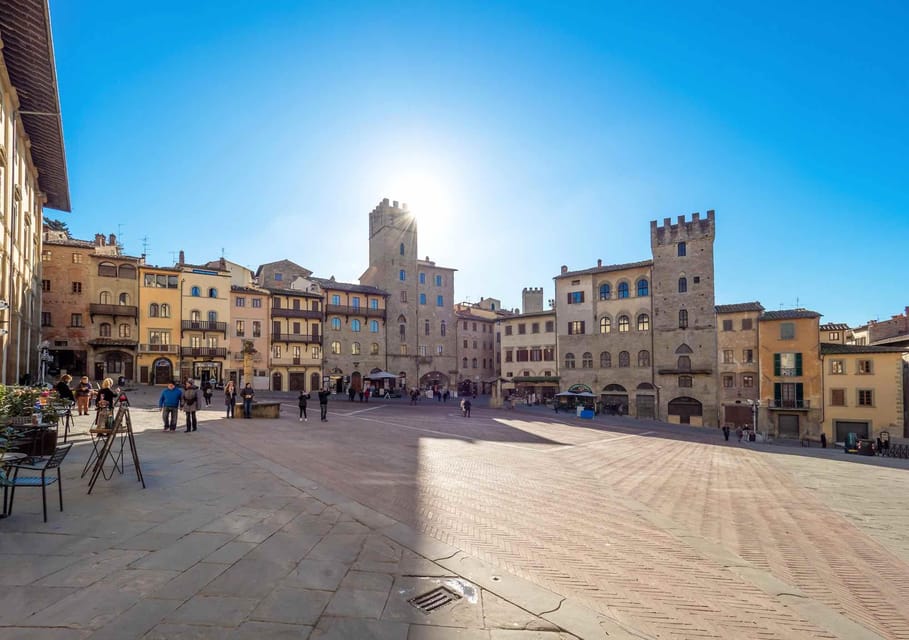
x=296, y=313
x=160, y=348
x=790, y=404
x=203, y=325
x=297, y=337
x=113, y=310
x=204, y=352
x=354, y=311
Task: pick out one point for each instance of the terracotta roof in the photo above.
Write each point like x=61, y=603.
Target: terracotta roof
x=285, y=291
x=605, y=269
x=28, y=52
x=349, y=286
x=828, y=348
x=835, y=326
x=789, y=314
x=739, y=307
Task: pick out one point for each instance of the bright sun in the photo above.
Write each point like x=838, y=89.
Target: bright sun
x=429, y=200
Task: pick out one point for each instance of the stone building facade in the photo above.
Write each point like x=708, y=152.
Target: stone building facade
x=295, y=359
x=249, y=323
x=476, y=344
x=529, y=356
x=204, y=314
x=159, y=303
x=737, y=363
x=421, y=342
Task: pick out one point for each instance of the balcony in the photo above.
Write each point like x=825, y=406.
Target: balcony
x=296, y=313
x=341, y=309
x=123, y=310
x=790, y=405
x=204, y=352
x=297, y=337
x=203, y=325
x=288, y=361
x=159, y=348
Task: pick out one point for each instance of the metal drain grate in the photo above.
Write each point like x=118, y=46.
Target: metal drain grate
x=435, y=599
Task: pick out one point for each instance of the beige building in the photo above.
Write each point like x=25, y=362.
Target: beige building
x=422, y=342
x=159, y=304
x=529, y=358
x=249, y=322
x=204, y=314
x=791, y=378
x=863, y=391
x=295, y=359
x=32, y=177
x=475, y=323
x=737, y=363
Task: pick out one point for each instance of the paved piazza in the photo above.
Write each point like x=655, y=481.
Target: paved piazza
x=670, y=530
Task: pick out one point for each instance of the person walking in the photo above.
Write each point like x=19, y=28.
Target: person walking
x=63, y=390
x=464, y=407
x=169, y=403
x=230, y=398
x=301, y=401
x=726, y=432
x=206, y=393
x=323, y=404
x=190, y=404
x=247, y=394
x=467, y=407
x=83, y=395
x=823, y=440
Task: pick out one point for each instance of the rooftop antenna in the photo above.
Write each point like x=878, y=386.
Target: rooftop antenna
x=144, y=245
x=173, y=256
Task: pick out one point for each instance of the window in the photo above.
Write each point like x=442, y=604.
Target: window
x=257, y=329
x=355, y=348
x=276, y=351
x=104, y=330
x=605, y=359
x=838, y=397
x=104, y=297
x=401, y=249
x=474, y=344
x=536, y=355
x=107, y=270
x=522, y=329
x=685, y=381
x=336, y=347
x=402, y=349
x=355, y=326
x=624, y=359
x=747, y=324
x=256, y=303
x=697, y=279
x=165, y=310
x=682, y=251
x=124, y=330
x=728, y=382
x=643, y=288
x=212, y=316
x=195, y=292
x=402, y=275
x=623, y=289
x=403, y=296
x=473, y=363
x=439, y=350
x=508, y=330
x=279, y=277
x=374, y=349
x=153, y=310
x=624, y=324
x=158, y=337
x=605, y=324
x=212, y=293
x=683, y=285
x=748, y=381
x=440, y=301
x=643, y=322
x=787, y=331
x=727, y=325
x=575, y=297
x=509, y=355
x=195, y=316
x=644, y=358
x=374, y=326
x=45, y=319
x=336, y=324
x=240, y=302
x=865, y=367
x=464, y=363
x=422, y=298
x=683, y=319
x=77, y=258
x=296, y=328
x=534, y=327
x=728, y=356
x=550, y=326
x=684, y=363
x=576, y=328
x=834, y=336
x=45, y=285
x=587, y=360
x=605, y=291
x=443, y=328
x=438, y=281
x=569, y=361
x=865, y=398
x=548, y=354
x=422, y=278
x=123, y=299
x=46, y=256
x=837, y=367
x=355, y=302
x=422, y=349
x=748, y=356
x=787, y=364
x=426, y=327
x=240, y=328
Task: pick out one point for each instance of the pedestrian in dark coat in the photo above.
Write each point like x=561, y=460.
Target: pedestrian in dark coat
x=726, y=432
x=206, y=393
x=230, y=398
x=247, y=394
x=302, y=402
x=323, y=404
x=190, y=404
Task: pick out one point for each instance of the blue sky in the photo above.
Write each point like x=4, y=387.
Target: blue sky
x=525, y=136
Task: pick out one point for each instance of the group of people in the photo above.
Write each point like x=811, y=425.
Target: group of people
x=81, y=396
x=303, y=400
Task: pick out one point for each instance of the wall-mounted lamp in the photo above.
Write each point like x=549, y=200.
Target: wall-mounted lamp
x=4, y=305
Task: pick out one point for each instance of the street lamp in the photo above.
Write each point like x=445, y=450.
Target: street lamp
x=755, y=405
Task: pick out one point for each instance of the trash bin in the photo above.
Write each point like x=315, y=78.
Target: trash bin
x=866, y=447
x=850, y=445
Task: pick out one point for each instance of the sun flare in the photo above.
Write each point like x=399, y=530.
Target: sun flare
x=428, y=198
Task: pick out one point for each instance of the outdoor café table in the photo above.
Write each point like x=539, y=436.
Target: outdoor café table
x=6, y=457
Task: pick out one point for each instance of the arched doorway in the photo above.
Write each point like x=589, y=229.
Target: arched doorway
x=645, y=401
x=162, y=371
x=356, y=381
x=615, y=400
x=277, y=382
x=685, y=410
x=315, y=382
x=435, y=380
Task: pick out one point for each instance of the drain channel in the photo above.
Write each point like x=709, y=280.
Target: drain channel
x=435, y=599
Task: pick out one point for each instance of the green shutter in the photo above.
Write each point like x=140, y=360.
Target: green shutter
x=798, y=364
x=778, y=393
x=799, y=395
x=776, y=364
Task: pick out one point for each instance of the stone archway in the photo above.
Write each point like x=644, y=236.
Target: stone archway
x=615, y=399
x=315, y=382
x=685, y=410
x=645, y=401
x=162, y=371
x=356, y=380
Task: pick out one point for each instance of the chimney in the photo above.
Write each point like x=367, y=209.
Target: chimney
x=564, y=269
x=182, y=257
x=222, y=263
x=113, y=240
x=599, y=262
x=99, y=239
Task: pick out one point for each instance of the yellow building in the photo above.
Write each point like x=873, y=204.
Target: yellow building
x=791, y=380
x=204, y=315
x=249, y=323
x=863, y=390
x=158, y=357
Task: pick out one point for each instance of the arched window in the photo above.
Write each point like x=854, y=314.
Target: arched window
x=683, y=285
x=643, y=358
x=104, y=330
x=374, y=349
x=165, y=310
x=127, y=271
x=124, y=298
x=195, y=316
x=153, y=310
x=336, y=347
x=683, y=249
x=605, y=324
x=624, y=359
x=355, y=326
x=374, y=326
x=355, y=348
x=426, y=327
x=605, y=360
x=195, y=292
x=401, y=249
x=212, y=316
x=605, y=291
x=212, y=293
x=124, y=330
x=643, y=322
x=624, y=324
x=683, y=319
x=464, y=363
x=643, y=288
x=336, y=324
x=684, y=363
x=474, y=363
x=623, y=289
x=402, y=328
x=104, y=297
x=569, y=361
x=107, y=270
x=587, y=360
x=442, y=328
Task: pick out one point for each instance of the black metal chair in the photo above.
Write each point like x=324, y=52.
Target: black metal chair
x=35, y=480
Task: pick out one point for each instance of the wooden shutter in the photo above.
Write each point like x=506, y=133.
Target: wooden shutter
x=776, y=364
x=798, y=364
x=799, y=395
x=777, y=393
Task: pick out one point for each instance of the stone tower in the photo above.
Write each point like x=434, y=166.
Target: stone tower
x=420, y=323
x=684, y=336
x=532, y=299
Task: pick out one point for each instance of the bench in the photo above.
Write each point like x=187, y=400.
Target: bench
x=260, y=410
